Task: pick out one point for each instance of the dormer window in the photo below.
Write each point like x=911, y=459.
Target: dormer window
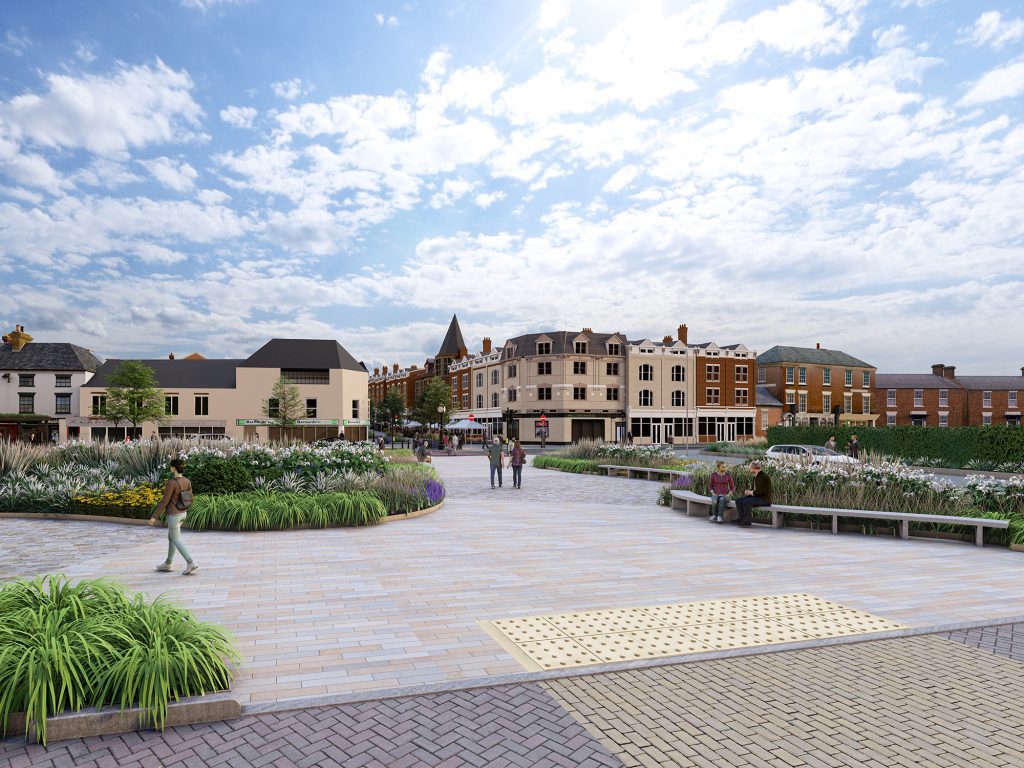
x=580, y=347
x=613, y=349
x=543, y=347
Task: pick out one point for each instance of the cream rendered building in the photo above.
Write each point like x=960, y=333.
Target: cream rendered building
x=477, y=388
x=227, y=396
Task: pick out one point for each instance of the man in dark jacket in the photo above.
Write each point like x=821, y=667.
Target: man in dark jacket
x=758, y=496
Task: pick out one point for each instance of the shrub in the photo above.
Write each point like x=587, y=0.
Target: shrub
x=215, y=475
x=67, y=646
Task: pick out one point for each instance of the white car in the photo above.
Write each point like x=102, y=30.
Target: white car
x=808, y=454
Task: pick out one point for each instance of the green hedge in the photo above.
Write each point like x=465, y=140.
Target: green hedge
x=955, y=446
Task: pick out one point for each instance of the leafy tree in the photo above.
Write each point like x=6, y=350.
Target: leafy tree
x=133, y=395
x=436, y=393
x=391, y=407
x=285, y=404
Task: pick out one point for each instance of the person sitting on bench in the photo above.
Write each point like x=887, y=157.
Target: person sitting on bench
x=758, y=496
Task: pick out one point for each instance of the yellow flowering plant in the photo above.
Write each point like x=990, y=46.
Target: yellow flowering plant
x=135, y=502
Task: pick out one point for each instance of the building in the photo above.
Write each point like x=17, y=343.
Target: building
x=682, y=393
x=817, y=385
x=477, y=387
x=227, y=396
x=769, y=409
x=943, y=399
x=39, y=387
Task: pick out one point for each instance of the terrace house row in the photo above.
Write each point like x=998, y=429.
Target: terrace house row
x=943, y=399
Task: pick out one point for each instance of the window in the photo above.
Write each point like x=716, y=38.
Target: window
x=866, y=378
x=741, y=374
x=890, y=398
x=544, y=369
x=99, y=405
x=543, y=393
x=355, y=409
x=1012, y=400
x=986, y=399
x=580, y=347
x=465, y=381
x=764, y=419
x=62, y=380
x=646, y=397
x=678, y=373
x=826, y=402
x=678, y=398
x=479, y=401
x=613, y=349
x=310, y=407
x=713, y=372
x=849, y=377
x=918, y=420
x=791, y=398
x=543, y=347
x=455, y=401
x=26, y=379
x=802, y=375
x=890, y=420
x=273, y=408
x=865, y=403
x=612, y=393
x=26, y=402
x=494, y=400
x=579, y=368
x=494, y=376
x=171, y=405
x=986, y=419
x=611, y=369
x=646, y=372
x=579, y=393
x=943, y=398
x=513, y=371
x=465, y=401
x=479, y=379
x=943, y=420
x=513, y=394
x=762, y=376
x=742, y=397
x=202, y=405
x=918, y=398
x=307, y=375
x=802, y=403
x=826, y=377
x=790, y=375
x=713, y=396
x=847, y=403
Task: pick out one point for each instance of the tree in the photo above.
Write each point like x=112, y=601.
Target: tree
x=133, y=395
x=436, y=393
x=391, y=407
x=285, y=404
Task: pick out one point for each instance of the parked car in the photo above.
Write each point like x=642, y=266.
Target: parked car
x=808, y=454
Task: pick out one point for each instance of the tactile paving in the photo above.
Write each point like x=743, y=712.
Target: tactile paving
x=625, y=634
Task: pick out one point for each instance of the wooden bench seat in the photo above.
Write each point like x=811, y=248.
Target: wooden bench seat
x=650, y=473
x=694, y=504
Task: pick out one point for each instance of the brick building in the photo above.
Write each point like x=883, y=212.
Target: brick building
x=943, y=399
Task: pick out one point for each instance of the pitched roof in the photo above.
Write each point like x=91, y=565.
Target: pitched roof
x=561, y=342
x=302, y=353
x=992, y=382
x=813, y=356
x=913, y=381
x=183, y=374
x=764, y=397
x=453, y=343
x=48, y=356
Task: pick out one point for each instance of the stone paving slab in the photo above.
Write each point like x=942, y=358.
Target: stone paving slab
x=1005, y=640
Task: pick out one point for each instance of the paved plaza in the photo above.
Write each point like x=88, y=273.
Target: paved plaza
x=387, y=611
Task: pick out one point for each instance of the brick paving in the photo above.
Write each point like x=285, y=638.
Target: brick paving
x=1005, y=640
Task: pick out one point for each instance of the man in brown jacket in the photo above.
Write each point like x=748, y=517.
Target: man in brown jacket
x=758, y=496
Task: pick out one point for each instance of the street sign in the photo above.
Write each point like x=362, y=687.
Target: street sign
x=472, y=417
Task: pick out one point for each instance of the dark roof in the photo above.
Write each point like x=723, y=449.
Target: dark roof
x=453, y=343
x=302, y=353
x=992, y=382
x=809, y=355
x=561, y=342
x=184, y=374
x=913, y=381
x=45, y=356
x=764, y=397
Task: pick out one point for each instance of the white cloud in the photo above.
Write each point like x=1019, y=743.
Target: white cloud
x=290, y=90
x=552, y=13
x=486, y=199
x=208, y=5
x=991, y=29
x=451, y=191
x=890, y=37
x=33, y=170
x=385, y=21
x=621, y=179
x=239, y=117
x=85, y=52
x=16, y=43
x=176, y=175
x=1005, y=82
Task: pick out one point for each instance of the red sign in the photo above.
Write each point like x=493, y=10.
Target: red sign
x=472, y=417
x=543, y=418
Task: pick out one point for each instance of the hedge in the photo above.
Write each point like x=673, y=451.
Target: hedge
x=955, y=446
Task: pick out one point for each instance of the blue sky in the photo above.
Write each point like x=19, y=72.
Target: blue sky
x=201, y=175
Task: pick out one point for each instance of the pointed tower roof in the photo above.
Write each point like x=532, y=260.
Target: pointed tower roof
x=453, y=343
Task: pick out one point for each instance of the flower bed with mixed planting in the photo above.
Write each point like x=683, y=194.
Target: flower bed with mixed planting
x=587, y=455
x=66, y=646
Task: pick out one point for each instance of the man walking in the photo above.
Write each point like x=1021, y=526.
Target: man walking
x=853, y=447
x=494, y=454
x=758, y=496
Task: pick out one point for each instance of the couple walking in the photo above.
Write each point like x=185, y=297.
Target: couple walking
x=516, y=460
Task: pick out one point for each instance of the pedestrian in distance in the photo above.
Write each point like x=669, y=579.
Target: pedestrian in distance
x=629, y=438
x=494, y=456
x=758, y=496
x=722, y=486
x=176, y=501
x=380, y=443
x=853, y=447
x=516, y=460
x=830, y=444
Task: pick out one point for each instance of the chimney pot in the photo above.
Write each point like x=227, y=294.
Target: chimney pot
x=682, y=333
x=667, y=340
x=170, y=356
x=588, y=330
x=817, y=345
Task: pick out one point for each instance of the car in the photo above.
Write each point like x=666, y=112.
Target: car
x=808, y=454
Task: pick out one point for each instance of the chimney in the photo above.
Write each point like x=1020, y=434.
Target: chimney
x=18, y=338
x=667, y=340
x=949, y=371
x=463, y=353
x=817, y=345
x=487, y=345
x=394, y=368
x=682, y=333
x=376, y=371
x=937, y=369
x=588, y=330
x=170, y=356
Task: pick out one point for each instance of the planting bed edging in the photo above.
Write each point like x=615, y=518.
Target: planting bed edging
x=410, y=515
x=101, y=722
x=63, y=516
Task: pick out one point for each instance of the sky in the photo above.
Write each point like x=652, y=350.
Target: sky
x=203, y=175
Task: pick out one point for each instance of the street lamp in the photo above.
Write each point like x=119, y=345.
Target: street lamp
x=440, y=420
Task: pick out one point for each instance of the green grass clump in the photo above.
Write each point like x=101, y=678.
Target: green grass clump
x=66, y=646
x=266, y=510
x=577, y=466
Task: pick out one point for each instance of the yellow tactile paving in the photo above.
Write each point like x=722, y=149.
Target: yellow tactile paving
x=626, y=634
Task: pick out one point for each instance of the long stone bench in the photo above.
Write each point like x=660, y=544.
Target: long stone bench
x=650, y=473
x=697, y=505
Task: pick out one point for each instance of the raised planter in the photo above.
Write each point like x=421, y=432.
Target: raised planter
x=62, y=516
x=410, y=515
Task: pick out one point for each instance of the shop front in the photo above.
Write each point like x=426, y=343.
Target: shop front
x=301, y=431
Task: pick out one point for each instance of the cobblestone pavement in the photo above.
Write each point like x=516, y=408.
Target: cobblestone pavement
x=1006, y=640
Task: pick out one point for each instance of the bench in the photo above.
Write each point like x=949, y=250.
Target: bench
x=697, y=505
x=651, y=473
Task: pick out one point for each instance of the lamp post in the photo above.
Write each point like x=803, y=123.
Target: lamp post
x=440, y=422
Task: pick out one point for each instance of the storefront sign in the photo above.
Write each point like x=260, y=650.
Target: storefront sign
x=356, y=422
x=297, y=423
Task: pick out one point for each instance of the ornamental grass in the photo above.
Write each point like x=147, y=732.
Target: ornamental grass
x=268, y=510
x=66, y=646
